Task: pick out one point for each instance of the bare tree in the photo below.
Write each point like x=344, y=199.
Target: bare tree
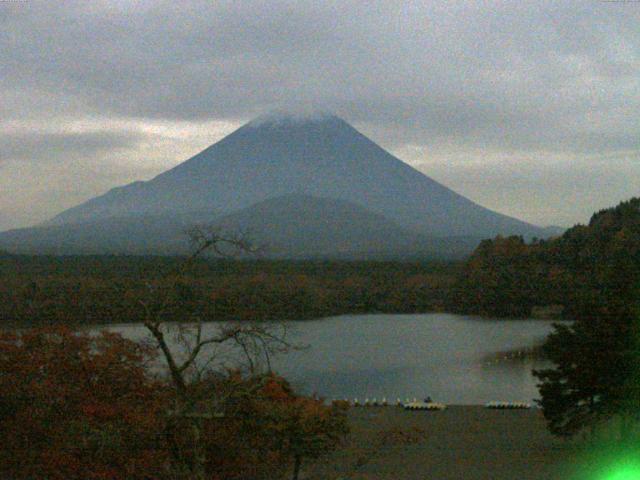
x=256, y=342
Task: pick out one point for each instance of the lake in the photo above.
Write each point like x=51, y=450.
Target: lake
x=451, y=358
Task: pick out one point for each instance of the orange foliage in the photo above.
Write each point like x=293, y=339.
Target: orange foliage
x=77, y=407
x=263, y=432
x=73, y=406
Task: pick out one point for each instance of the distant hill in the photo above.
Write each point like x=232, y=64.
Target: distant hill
x=285, y=158
x=305, y=226
x=290, y=226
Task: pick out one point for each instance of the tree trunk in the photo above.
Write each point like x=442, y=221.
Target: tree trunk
x=296, y=467
x=199, y=454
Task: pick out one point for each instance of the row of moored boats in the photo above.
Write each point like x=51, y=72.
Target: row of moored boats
x=429, y=405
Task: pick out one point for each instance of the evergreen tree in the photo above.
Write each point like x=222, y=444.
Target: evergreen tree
x=594, y=375
x=597, y=359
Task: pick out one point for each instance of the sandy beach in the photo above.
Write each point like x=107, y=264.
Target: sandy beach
x=461, y=442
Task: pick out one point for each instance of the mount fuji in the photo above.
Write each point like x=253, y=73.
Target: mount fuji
x=307, y=186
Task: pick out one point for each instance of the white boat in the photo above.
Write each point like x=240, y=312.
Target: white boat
x=424, y=406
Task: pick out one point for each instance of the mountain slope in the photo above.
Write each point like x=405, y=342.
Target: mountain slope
x=137, y=234
x=321, y=156
x=289, y=226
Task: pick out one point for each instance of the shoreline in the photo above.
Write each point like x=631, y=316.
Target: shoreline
x=96, y=325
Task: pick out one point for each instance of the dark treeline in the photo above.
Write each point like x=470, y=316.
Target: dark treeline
x=105, y=289
x=509, y=277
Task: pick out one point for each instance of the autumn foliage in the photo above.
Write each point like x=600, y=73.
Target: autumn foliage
x=295, y=427
x=107, y=289
x=507, y=277
x=75, y=406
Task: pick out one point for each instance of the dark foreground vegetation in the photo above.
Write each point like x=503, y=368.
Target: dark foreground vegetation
x=79, y=407
x=40, y=290
x=593, y=272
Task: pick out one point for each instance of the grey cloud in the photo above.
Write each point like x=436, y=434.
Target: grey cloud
x=561, y=192
x=198, y=59
x=46, y=146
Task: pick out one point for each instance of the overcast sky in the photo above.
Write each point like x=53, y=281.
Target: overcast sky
x=531, y=108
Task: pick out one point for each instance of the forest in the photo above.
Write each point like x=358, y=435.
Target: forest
x=44, y=290
x=508, y=277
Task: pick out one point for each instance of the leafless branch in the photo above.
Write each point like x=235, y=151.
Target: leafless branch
x=255, y=341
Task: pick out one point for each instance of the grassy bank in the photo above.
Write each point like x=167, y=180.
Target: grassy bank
x=460, y=443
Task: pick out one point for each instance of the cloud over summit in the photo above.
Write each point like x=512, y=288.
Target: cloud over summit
x=442, y=84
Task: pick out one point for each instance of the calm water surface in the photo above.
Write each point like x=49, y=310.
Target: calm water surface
x=441, y=355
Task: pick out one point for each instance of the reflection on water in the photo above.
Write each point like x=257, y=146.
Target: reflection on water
x=452, y=358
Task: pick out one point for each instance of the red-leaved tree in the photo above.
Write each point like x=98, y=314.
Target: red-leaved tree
x=75, y=406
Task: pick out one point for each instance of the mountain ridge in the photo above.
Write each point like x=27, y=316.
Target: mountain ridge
x=290, y=226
